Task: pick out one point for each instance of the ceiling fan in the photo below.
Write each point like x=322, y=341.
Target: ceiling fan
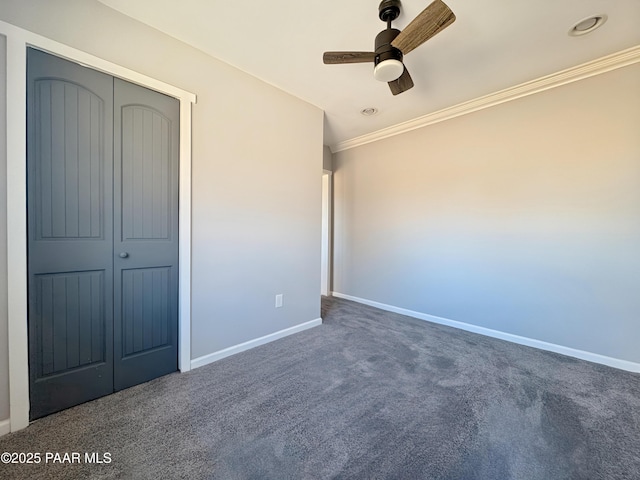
x=391, y=44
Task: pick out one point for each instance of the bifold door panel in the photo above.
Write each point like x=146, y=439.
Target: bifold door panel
x=102, y=174
x=145, y=234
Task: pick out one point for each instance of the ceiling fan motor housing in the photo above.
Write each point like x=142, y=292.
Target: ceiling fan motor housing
x=388, y=64
x=384, y=50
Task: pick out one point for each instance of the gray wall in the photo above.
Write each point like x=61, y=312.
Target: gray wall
x=523, y=218
x=255, y=187
x=4, y=353
x=327, y=159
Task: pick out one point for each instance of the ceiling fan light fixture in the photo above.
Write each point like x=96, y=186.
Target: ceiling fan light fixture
x=388, y=70
x=392, y=44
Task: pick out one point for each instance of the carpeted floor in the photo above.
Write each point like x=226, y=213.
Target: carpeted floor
x=367, y=395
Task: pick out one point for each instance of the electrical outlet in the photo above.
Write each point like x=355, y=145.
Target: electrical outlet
x=279, y=300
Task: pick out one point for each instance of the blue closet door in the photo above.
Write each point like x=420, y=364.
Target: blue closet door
x=145, y=234
x=102, y=233
x=70, y=245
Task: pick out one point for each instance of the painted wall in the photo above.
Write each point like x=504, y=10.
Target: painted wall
x=4, y=352
x=522, y=218
x=327, y=159
x=255, y=187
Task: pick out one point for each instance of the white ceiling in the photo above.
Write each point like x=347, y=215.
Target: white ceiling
x=493, y=44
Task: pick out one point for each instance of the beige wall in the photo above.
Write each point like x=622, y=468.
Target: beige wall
x=523, y=218
x=255, y=187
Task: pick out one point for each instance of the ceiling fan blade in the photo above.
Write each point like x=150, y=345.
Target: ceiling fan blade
x=348, y=57
x=401, y=84
x=433, y=19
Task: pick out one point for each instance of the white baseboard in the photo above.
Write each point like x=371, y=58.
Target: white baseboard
x=220, y=354
x=529, y=342
x=5, y=426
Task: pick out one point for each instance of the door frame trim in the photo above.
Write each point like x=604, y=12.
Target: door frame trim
x=17, y=42
x=327, y=232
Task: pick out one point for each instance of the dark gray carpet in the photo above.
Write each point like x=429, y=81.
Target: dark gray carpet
x=367, y=395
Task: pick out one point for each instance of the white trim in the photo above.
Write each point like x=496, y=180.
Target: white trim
x=5, y=427
x=17, y=229
x=18, y=40
x=509, y=337
x=327, y=234
x=184, y=244
x=220, y=354
x=580, y=72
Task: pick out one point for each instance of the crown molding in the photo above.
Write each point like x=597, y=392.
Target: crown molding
x=573, y=74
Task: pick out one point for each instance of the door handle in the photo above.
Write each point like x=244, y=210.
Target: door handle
x=124, y=254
